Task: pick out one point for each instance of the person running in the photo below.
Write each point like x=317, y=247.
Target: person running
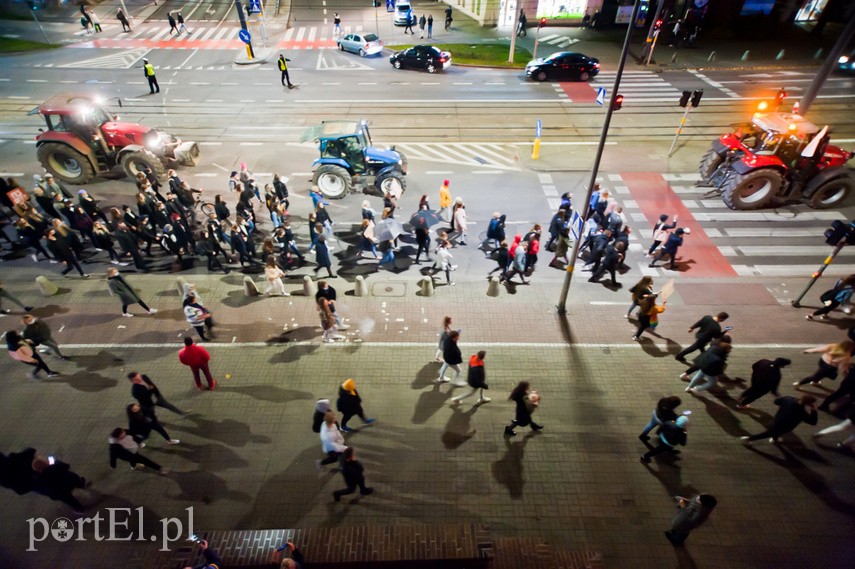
x=37, y=332
x=476, y=378
x=841, y=293
x=791, y=413
x=127, y=295
x=671, y=434
x=661, y=231
x=451, y=358
x=847, y=425
x=639, y=291
x=124, y=447
x=765, y=378
x=648, y=314
x=526, y=401
x=835, y=359
x=711, y=364
x=664, y=413
x=349, y=403
x=22, y=351
x=708, y=328
x=6, y=294
x=354, y=476
x=332, y=441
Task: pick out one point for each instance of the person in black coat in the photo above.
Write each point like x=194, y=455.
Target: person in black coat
x=611, y=261
x=140, y=425
x=847, y=387
x=349, y=403
x=63, y=253
x=476, y=378
x=451, y=358
x=16, y=470
x=423, y=242
x=708, y=328
x=57, y=481
x=526, y=402
x=765, y=378
x=130, y=246
x=221, y=209
x=352, y=470
x=711, y=364
x=148, y=395
x=238, y=242
x=664, y=413
x=671, y=434
x=791, y=413
x=124, y=447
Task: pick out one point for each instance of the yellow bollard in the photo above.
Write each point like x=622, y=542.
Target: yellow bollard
x=535, y=152
x=249, y=51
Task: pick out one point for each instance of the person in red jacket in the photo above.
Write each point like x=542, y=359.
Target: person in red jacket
x=196, y=358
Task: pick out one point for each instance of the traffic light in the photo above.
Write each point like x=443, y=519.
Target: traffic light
x=839, y=231
x=696, y=97
x=684, y=98
x=542, y=22
x=618, y=103
x=657, y=25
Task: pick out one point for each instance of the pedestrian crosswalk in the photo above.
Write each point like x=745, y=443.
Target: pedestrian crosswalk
x=558, y=40
x=783, y=242
x=485, y=154
x=639, y=85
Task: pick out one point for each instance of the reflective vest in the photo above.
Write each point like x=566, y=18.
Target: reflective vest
x=149, y=70
x=282, y=65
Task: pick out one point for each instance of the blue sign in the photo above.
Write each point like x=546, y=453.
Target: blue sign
x=244, y=36
x=601, y=96
x=538, y=128
x=254, y=6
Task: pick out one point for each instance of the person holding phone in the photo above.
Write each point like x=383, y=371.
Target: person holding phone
x=287, y=556
x=212, y=559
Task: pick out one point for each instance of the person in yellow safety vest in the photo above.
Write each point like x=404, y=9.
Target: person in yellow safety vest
x=283, y=67
x=148, y=70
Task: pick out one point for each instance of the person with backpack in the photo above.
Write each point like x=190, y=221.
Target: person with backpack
x=476, y=378
x=841, y=293
x=671, y=434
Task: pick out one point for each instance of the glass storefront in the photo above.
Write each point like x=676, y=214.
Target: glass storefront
x=555, y=9
x=811, y=11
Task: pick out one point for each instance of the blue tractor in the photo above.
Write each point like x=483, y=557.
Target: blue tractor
x=349, y=162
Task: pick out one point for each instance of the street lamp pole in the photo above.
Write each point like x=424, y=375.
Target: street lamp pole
x=568, y=276
x=376, y=17
x=827, y=67
x=514, y=35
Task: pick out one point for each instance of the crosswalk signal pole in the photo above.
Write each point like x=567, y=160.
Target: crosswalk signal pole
x=250, y=53
x=537, y=36
x=840, y=234
x=514, y=36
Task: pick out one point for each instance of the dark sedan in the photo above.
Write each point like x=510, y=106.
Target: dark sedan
x=563, y=65
x=421, y=57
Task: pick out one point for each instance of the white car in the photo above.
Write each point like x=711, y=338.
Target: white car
x=363, y=44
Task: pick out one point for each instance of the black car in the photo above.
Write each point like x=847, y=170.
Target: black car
x=563, y=65
x=421, y=57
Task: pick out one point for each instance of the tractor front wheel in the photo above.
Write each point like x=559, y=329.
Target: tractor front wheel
x=753, y=190
x=65, y=163
x=137, y=162
x=709, y=164
x=333, y=181
x=393, y=182
x=832, y=193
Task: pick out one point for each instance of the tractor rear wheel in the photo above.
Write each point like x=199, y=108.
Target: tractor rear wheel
x=832, y=193
x=65, y=163
x=138, y=161
x=393, y=182
x=709, y=164
x=752, y=190
x=333, y=181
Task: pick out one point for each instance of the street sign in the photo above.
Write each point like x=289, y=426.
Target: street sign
x=254, y=6
x=576, y=224
x=244, y=36
x=601, y=96
x=538, y=128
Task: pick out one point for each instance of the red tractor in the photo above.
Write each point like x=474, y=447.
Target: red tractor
x=778, y=156
x=84, y=140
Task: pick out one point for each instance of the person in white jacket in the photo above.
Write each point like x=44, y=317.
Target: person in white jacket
x=332, y=441
x=444, y=261
x=274, y=275
x=460, y=225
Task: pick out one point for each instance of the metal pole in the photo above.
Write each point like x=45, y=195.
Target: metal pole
x=817, y=274
x=652, y=47
x=263, y=31
x=652, y=29
x=33, y=12
x=536, y=39
x=565, y=288
x=827, y=67
x=376, y=17
x=514, y=34
x=679, y=130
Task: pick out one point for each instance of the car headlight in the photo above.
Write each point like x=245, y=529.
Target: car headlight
x=843, y=59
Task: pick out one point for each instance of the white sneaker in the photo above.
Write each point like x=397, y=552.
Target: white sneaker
x=454, y=403
x=484, y=400
x=128, y=315
x=116, y=262
x=34, y=257
x=138, y=466
x=684, y=376
x=173, y=441
x=142, y=445
x=152, y=310
x=443, y=380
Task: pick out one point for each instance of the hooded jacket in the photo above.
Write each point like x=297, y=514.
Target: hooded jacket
x=331, y=438
x=673, y=433
x=349, y=402
x=321, y=408
x=476, y=377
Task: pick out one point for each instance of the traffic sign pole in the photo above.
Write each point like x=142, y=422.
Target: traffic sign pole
x=679, y=130
x=818, y=273
x=538, y=131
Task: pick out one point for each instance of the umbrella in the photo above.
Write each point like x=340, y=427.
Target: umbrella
x=388, y=229
x=425, y=218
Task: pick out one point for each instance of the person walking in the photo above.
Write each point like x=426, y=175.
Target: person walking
x=124, y=447
x=283, y=67
x=423, y=244
x=332, y=441
x=173, y=26
x=140, y=425
x=661, y=231
x=322, y=407
x=63, y=253
x=86, y=22
x=148, y=72
x=476, y=377
x=847, y=387
x=120, y=15
x=22, y=351
x=273, y=274
x=460, y=224
x=198, y=360
x=691, y=514
x=445, y=201
x=96, y=21
x=349, y=403
x=448, y=18
x=127, y=295
x=517, y=264
x=835, y=359
x=526, y=401
x=611, y=262
x=708, y=328
x=328, y=321
x=443, y=336
x=669, y=249
x=665, y=412
x=840, y=293
x=671, y=434
x=765, y=378
x=353, y=473
x=430, y=26
x=337, y=24
x=322, y=254
x=55, y=479
x=422, y=23
x=521, y=31
x=451, y=358
x=6, y=294
x=639, y=291
x=443, y=261
x=181, y=26
x=847, y=425
x=37, y=332
x=329, y=293
x=411, y=19
x=198, y=316
x=711, y=364
x=148, y=395
x=792, y=412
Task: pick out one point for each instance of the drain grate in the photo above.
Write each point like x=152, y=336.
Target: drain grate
x=389, y=289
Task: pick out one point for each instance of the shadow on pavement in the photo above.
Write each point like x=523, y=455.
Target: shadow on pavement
x=508, y=470
x=230, y=432
x=271, y=393
x=293, y=353
x=459, y=428
x=429, y=403
x=426, y=375
x=206, y=487
x=86, y=382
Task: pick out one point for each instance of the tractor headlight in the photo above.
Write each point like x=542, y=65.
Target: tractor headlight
x=153, y=141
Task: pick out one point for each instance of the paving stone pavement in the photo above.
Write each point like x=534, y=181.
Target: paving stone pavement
x=247, y=455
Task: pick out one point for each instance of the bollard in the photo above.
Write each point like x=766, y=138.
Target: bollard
x=780, y=55
x=181, y=283
x=249, y=288
x=818, y=54
x=674, y=57
x=711, y=56
x=309, y=287
x=535, y=151
x=745, y=55
x=46, y=287
x=426, y=285
x=359, y=287
x=493, y=288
